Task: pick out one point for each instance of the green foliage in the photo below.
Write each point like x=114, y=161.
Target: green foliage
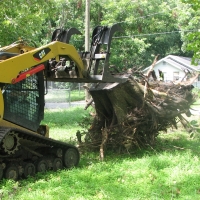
x=149, y=27
x=22, y=18
x=190, y=20
x=146, y=25
x=194, y=45
x=194, y=3
x=196, y=91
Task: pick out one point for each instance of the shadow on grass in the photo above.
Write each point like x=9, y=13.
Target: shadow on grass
x=166, y=171
x=179, y=141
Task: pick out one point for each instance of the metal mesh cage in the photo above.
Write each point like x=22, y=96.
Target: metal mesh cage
x=24, y=103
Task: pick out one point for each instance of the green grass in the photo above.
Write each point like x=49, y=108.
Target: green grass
x=197, y=102
x=60, y=96
x=77, y=95
x=196, y=92
x=170, y=170
x=64, y=123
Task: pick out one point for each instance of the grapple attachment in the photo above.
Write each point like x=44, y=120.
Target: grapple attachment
x=64, y=35
x=97, y=60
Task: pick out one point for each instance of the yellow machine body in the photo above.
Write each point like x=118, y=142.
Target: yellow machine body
x=12, y=67
x=17, y=47
x=25, y=146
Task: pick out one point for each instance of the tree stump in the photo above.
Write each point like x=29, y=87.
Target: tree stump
x=134, y=112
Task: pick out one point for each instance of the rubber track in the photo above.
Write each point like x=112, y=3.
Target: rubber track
x=36, y=138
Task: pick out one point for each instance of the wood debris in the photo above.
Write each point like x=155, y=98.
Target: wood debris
x=133, y=113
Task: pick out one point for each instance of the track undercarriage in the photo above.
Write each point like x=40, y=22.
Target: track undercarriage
x=23, y=154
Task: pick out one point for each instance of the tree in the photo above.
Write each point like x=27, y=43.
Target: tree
x=192, y=21
x=150, y=28
x=23, y=18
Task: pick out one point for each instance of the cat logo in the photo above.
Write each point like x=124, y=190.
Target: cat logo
x=38, y=56
x=42, y=54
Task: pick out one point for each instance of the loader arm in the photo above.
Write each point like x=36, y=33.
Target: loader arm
x=17, y=47
x=60, y=60
x=14, y=65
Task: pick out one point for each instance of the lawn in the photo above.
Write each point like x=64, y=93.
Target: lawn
x=64, y=95
x=169, y=170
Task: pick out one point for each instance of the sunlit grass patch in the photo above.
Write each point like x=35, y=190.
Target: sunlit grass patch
x=64, y=95
x=64, y=123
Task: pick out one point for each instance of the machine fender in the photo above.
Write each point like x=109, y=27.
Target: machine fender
x=1, y=105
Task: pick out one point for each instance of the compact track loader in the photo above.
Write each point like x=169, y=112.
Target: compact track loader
x=25, y=146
